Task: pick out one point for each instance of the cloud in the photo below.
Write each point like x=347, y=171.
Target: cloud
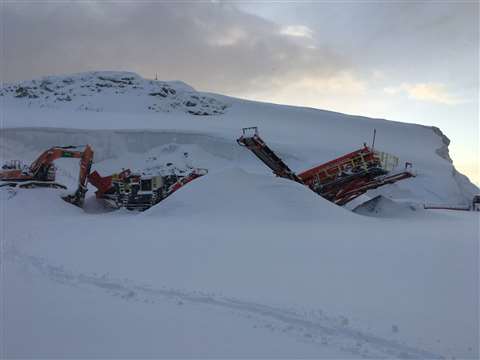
x=297, y=30
x=212, y=46
x=343, y=83
x=230, y=37
x=411, y=41
x=432, y=92
x=219, y=47
x=342, y=92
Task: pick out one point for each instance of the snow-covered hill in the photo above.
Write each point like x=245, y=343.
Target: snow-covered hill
x=238, y=263
x=110, y=91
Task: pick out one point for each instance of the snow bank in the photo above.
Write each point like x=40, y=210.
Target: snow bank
x=381, y=206
x=351, y=276
x=47, y=202
x=238, y=195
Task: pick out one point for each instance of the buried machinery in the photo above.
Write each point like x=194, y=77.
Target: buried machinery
x=41, y=173
x=340, y=180
x=133, y=191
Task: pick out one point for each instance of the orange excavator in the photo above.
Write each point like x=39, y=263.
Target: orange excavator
x=41, y=173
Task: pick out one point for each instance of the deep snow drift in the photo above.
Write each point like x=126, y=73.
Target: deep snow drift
x=238, y=263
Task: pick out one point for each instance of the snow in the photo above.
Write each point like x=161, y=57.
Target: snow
x=103, y=324
x=237, y=263
x=80, y=92
x=381, y=206
x=248, y=196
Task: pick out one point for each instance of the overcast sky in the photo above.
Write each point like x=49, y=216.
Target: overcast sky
x=408, y=61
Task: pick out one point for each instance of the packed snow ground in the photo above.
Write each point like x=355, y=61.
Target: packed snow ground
x=238, y=263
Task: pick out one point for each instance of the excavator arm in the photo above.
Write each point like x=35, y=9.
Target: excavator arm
x=86, y=160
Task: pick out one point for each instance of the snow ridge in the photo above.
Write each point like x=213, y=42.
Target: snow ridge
x=104, y=90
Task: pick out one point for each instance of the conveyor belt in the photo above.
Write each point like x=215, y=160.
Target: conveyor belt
x=256, y=145
x=340, y=180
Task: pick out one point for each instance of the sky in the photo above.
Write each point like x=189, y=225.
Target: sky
x=411, y=61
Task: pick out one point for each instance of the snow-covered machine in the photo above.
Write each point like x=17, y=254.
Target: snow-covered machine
x=340, y=180
x=136, y=191
x=41, y=173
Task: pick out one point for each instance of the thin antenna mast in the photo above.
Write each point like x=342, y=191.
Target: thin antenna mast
x=374, y=135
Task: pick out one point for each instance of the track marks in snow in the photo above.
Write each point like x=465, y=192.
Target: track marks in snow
x=314, y=327
x=6, y=193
